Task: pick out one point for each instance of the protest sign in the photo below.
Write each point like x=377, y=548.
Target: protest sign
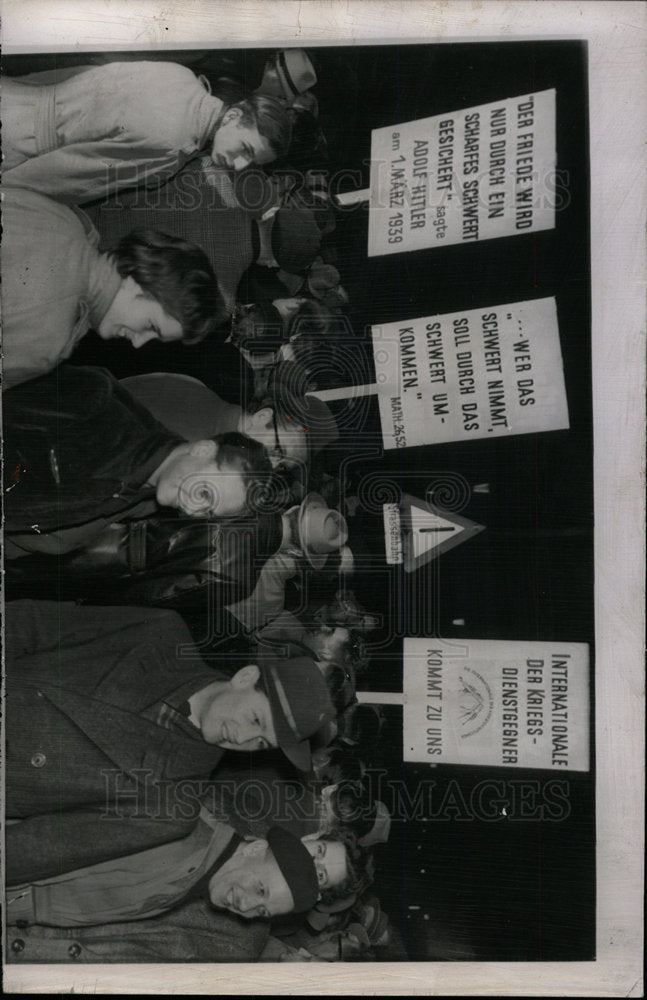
x=415, y=532
x=497, y=703
x=473, y=374
x=464, y=176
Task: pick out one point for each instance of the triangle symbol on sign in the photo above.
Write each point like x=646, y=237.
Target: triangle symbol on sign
x=428, y=531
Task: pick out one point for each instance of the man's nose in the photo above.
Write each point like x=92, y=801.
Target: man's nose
x=247, y=902
x=244, y=732
x=139, y=339
x=241, y=162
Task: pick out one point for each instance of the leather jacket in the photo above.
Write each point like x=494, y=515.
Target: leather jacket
x=160, y=561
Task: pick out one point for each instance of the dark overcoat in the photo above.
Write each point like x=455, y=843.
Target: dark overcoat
x=90, y=774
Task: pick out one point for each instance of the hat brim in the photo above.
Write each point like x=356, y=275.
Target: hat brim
x=316, y=559
x=298, y=752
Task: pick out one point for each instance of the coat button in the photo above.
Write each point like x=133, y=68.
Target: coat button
x=38, y=760
x=17, y=946
x=74, y=950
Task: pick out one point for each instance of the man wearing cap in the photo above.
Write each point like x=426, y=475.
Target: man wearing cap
x=80, y=134
x=250, y=877
x=328, y=644
x=108, y=709
x=287, y=74
x=312, y=531
x=292, y=434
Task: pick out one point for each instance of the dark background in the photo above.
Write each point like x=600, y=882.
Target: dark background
x=457, y=886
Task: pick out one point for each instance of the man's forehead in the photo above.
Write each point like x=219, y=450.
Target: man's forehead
x=249, y=133
x=334, y=862
x=258, y=699
x=280, y=898
x=291, y=430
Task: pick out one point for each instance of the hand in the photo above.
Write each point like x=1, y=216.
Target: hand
x=296, y=955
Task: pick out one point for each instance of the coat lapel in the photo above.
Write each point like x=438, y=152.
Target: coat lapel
x=135, y=743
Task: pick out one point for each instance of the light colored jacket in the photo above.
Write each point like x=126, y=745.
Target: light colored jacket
x=135, y=887
x=56, y=284
x=104, y=128
x=194, y=932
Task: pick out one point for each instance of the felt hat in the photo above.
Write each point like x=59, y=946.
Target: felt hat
x=288, y=385
x=296, y=238
x=295, y=72
x=258, y=328
x=379, y=833
x=318, y=420
x=297, y=867
x=321, y=529
x=300, y=704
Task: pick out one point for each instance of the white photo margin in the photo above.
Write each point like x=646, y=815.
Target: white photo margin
x=618, y=115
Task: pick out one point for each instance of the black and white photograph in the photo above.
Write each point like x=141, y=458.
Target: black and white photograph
x=303, y=650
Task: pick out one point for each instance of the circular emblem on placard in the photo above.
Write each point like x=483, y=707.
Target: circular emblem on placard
x=475, y=702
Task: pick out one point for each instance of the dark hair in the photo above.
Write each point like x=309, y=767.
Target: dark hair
x=251, y=458
x=308, y=149
x=316, y=321
x=342, y=765
x=270, y=117
x=354, y=807
x=325, y=344
x=340, y=683
x=175, y=273
x=357, y=874
x=352, y=654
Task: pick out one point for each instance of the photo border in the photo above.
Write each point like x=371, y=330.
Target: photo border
x=616, y=36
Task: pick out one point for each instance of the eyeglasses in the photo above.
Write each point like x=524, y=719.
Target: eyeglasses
x=278, y=450
x=358, y=650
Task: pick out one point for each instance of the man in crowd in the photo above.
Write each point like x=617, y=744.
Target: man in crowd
x=250, y=877
x=291, y=434
x=81, y=454
x=312, y=533
x=57, y=286
x=109, y=710
x=83, y=133
x=327, y=643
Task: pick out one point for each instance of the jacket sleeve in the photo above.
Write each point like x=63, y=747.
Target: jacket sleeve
x=191, y=933
x=85, y=172
x=50, y=844
x=38, y=626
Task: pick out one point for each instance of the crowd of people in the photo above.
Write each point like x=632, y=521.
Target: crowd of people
x=185, y=751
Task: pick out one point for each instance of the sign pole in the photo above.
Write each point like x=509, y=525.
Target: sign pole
x=345, y=392
x=381, y=697
x=354, y=197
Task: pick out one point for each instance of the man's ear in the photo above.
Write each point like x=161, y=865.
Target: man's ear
x=204, y=449
x=262, y=418
x=232, y=115
x=246, y=677
x=250, y=848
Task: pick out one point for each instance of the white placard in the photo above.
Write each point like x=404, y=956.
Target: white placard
x=480, y=373
x=392, y=533
x=464, y=176
x=497, y=703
